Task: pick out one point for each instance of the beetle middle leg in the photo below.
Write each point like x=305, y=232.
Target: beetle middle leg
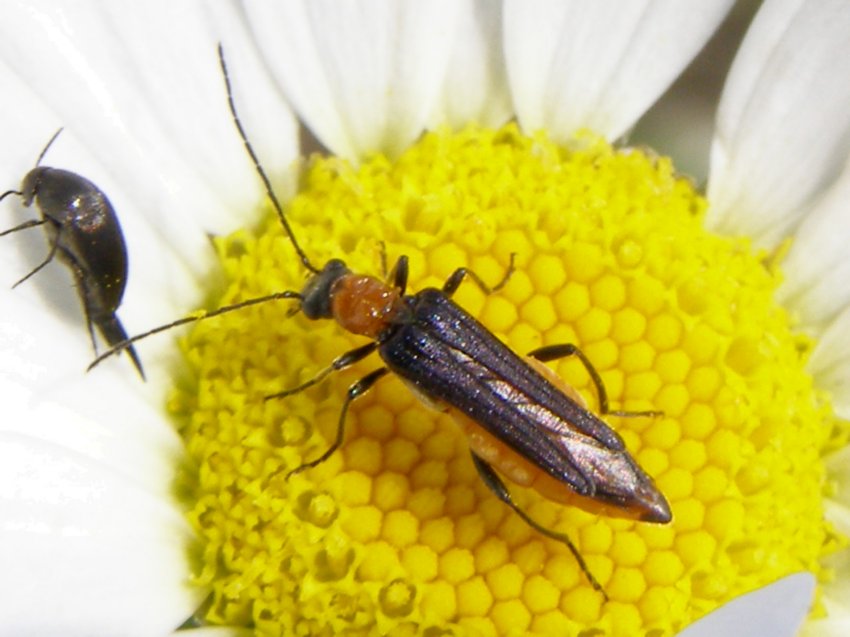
x=563, y=350
x=355, y=391
x=497, y=486
x=86, y=297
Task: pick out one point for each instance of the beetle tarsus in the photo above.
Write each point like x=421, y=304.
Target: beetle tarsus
x=355, y=391
x=495, y=484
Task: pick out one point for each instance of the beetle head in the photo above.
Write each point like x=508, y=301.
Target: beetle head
x=316, y=295
x=30, y=184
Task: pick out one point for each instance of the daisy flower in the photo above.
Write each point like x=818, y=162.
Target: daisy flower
x=458, y=134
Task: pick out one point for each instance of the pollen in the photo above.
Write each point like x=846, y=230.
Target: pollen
x=395, y=533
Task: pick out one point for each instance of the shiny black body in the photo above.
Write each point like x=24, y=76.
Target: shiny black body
x=84, y=233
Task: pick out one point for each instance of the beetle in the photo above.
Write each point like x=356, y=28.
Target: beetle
x=521, y=420
x=84, y=233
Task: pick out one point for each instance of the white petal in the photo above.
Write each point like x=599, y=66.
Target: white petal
x=836, y=623
x=838, y=469
x=85, y=551
x=783, y=126
x=139, y=91
x=777, y=610
x=830, y=363
x=599, y=65
x=214, y=631
x=475, y=87
x=364, y=76
x=817, y=267
x=89, y=539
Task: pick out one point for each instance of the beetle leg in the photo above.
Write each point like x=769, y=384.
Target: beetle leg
x=48, y=259
x=6, y=194
x=495, y=484
x=340, y=362
x=32, y=223
x=453, y=282
x=553, y=352
x=81, y=281
x=355, y=391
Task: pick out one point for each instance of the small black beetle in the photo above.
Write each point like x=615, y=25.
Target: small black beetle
x=83, y=231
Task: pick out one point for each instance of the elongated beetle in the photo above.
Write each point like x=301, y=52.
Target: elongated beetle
x=83, y=231
x=521, y=420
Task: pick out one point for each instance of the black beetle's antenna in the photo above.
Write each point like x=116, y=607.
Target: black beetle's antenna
x=37, y=163
x=269, y=191
x=44, y=151
x=200, y=316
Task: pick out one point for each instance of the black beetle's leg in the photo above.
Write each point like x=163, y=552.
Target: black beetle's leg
x=495, y=484
x=399, y=273
x=32, y=223
x=48, y=259
x=81, y=281
x=340, y=362
x=553, y=352
x=355, y=391
x=453, y=282
x=199, y=316
x=6, y=194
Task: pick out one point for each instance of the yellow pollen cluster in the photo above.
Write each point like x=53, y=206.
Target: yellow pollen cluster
x=395, y=534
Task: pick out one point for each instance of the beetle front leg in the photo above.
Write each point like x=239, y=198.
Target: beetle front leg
x=48, y=259
x=340, y=362
x=453, y=282
x=32, y=223
x=355, y=391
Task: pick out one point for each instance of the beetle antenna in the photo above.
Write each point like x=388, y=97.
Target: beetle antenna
x=44, y=151
x=120, y=346
x=269, y=191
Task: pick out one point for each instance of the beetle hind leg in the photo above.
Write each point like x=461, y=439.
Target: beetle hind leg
x=497, y=486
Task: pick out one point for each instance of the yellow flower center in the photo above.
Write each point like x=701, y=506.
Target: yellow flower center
x=395, y=534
